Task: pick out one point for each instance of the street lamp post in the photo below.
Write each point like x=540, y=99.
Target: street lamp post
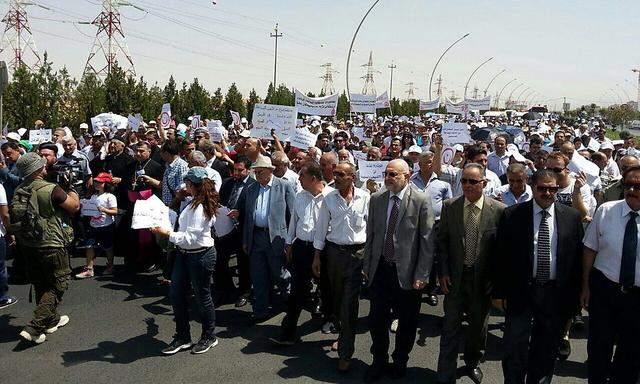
x=521, y=93
x=473, y=73
x=438, y=62
x=502, y=90
x=511, y=94
x=491, y=82
x=353, y=41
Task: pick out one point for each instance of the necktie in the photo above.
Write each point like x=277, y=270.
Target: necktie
x=233, y=197
x=543, y=271
x=629, y=251
x=389, y=251
x=471, y=234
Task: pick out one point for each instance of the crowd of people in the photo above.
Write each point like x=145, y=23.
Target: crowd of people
x=538, y=221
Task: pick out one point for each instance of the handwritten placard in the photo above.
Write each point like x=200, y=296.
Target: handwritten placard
x=223, y=224
x=280, y=118
x=216, y=130
x=455, y=133
x=359, y=156
x=165, y=116
x=195, y=121
x=89, y=207
x=373, y=170
x=235, y=116
x=134, y=123
x=362, y=103
x=448, y=154
x=303, y=139
x=321, y=106
x=37, y=136
x=150, y=213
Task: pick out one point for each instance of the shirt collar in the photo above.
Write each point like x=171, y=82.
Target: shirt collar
x=399, y=194
x=537, y=209
x=268, y=184
x=479, y=203
x=626, y=209
x=173, y=163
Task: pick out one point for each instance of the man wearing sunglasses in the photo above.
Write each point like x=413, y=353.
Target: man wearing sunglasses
x=611, y=287
x=536, y=279
x=466, y=239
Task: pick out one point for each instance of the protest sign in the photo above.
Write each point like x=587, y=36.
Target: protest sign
x=454, y=107
x=89, y=207
x=150, y=213
x=280, y=118
x=216, y=130
x=303, y=139
x=134, y=123
x=448, y=154
x=359, y=156
x=223, y=224
x=235, y=116
x=22, y=131
x=165, y=116
x=428, y=105
x=37, y=136
x=195, y=121
x=382, y=101
x=362, y=103
x=455, y=133
x=321, y=106
x=359, y=133
x=109, y=120
x=372, y=170
x=579, y=164
x=483, y=104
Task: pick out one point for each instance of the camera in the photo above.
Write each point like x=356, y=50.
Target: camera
x=68, y=176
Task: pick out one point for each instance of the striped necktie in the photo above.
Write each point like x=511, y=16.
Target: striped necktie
x=543, y=271
x=389, y=247
x=471, y=234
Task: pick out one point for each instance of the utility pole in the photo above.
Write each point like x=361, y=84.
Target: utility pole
x=17, y=37
x=109, y=43
x=327, y=86
x=439, y=84
x=637, y=70
x=411, y=91
x=475, y=92
x=275, y=35
x=369, y=84
x=392, y=67
x=453, y=96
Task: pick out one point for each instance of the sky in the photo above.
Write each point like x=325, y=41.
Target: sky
x=581, y=50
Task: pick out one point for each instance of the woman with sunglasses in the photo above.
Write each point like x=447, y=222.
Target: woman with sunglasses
x=195, y=262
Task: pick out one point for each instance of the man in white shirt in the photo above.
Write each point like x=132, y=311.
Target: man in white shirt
x=498, y=161
x=281, y=163
x=299, y=247
x=517, y=191
x=611, y=287
x=342, y=230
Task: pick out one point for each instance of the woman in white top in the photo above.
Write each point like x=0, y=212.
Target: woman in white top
x=195, y=262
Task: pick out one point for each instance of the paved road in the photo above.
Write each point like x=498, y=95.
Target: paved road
x=119, y=325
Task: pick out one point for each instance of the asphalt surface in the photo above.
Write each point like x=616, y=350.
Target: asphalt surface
x=119, y=324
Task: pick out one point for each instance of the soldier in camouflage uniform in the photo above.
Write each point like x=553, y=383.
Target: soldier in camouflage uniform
x=40, y=222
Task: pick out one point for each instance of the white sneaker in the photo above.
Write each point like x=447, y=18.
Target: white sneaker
x=86, y=273
x=64, y=319
x=39, y=339
x=394, y=326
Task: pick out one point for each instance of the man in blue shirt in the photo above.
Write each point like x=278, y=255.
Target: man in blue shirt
x=517, y=191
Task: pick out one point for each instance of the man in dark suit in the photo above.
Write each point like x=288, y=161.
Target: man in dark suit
x=466, y=239
x=231, y=243
x=537, y=279
x=398, y=256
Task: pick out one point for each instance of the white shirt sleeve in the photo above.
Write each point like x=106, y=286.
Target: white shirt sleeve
x=591, y=236
x=196, y=224
x=293, y=222
x=322, y=226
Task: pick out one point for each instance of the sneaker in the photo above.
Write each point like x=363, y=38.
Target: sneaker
x=64, y=320
x=150, y=268
x=176, y=345
x=328, y=327
x=108, y=270
x=36, y=338
x=394, y=326
x=86, y=273
x=565, y=349
x=578, y=322
x=8, y=301
x=204, y=344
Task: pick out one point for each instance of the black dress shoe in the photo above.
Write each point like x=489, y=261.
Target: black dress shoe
x=475, y=374
x=259, y=319
x=432, y=300
x=397, y=371
x=241, y=302
x=374, y=373
x=564, y=350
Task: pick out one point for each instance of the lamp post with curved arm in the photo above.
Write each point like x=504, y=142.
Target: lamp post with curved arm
x=502, y=90
x=511, y=94
x=522, y=93
x=473, y=73
x=353, y=41
x=438, y=62
x=491, y=82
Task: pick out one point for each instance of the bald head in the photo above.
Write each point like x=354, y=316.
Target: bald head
x=397, y=175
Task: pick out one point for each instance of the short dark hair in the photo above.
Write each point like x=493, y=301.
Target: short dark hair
x=10, y=144
x=627, y=171
x=312, y=168
x=172, y=147
x=475, y=150
x=50, y=146
x=244, y=160
x=409, y=162
x=543, y=174
x=535, y=140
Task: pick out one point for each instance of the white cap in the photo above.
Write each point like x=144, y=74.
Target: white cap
x=415, y=149
x=244, y=120
x=13, y=136
x=246, y=133
x=84, y=126
x=606, y=145
x=315, y=123
x=458, y=148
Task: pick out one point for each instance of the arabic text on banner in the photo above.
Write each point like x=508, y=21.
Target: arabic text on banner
x=362, y=103
x=321, y=106
x=280, y=118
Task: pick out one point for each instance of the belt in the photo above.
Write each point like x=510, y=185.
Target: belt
x=346, y=247
x=196, y=250
x=623, y=289
x=307, y=243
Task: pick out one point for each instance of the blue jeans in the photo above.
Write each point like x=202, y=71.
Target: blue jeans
x=4, y=276
x=198, y=269
x=267, y=267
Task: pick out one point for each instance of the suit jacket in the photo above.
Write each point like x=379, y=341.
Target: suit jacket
x=451, y=242
x=227, y=188
x=281, y=199
x=513, y=266
x=222, y=167
x=613, y=192
x=413, y=237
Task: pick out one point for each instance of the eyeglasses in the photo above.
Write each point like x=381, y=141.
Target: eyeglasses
x=339, y=174
x=470, y=181
x=556, y=170
x=631, y=186
x=551, y=190
x=391, y=174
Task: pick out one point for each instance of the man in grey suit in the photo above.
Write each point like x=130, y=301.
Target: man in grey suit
x=264, y=211
x=398, y=256
x=466, y=239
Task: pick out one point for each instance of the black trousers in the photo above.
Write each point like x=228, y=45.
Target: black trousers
x=386, y=295
x=532, y=337
x=614, y=319
x=225, y=247
x=326, y=295
x=302, y=254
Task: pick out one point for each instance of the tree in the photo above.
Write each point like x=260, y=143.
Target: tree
x=233, y=102
x=116, y=90
x=280, y=96
x=216, y=104
x=198, y=100
x=343, y=105
x=170, y=90
x=253, y=100
x=90, y=97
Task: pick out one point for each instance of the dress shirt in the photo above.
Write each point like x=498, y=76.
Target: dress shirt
x=292, y=178
x=498, y=164
x=304, y=217
x=553, y=236
x=194, y=229
x=214, y=176
x=342, y=223
x=437, y=190
x=261, y=213
x=493, y=181
x=612, y=169
x=172, y=179
x=509, y=199
x=400, y=196
x=238, y=187
x=605, y=235
x=478, y=203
